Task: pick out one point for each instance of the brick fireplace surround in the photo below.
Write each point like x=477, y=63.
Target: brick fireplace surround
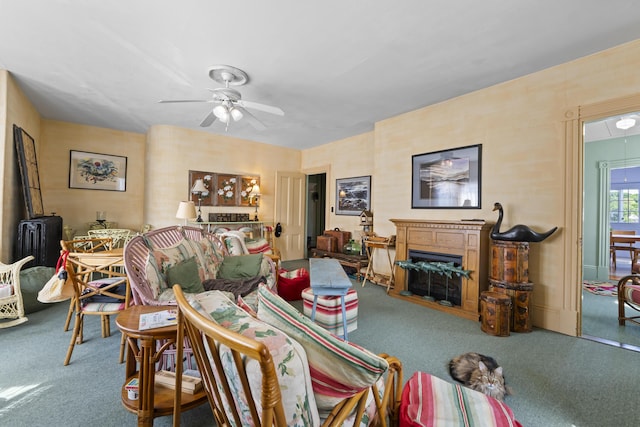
x=468, y=239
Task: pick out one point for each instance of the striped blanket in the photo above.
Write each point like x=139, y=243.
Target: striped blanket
x=428, y=401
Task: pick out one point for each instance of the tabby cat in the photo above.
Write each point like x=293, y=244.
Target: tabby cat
x=479, y=372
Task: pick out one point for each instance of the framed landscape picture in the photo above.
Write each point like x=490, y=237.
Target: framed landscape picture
x=353, y=195
x=94, y=171
x=447, y=179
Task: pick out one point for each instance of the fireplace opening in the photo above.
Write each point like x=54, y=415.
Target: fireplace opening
x=433, y=285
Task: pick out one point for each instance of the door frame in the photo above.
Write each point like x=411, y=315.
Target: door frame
x=575, y=119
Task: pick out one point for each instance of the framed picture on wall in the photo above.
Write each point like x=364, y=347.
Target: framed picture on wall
x=28, y=165
x=226, y=190
x=447, y=179
x=246, y=186
x=94, y=171
x=208, y=178
x=353, y=195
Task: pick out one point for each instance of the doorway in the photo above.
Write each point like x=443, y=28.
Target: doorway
x=610, y=175
x=316, y=207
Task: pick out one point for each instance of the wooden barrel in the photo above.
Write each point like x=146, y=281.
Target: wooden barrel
x=495, y=309
x=521, y=297
x=509, y=261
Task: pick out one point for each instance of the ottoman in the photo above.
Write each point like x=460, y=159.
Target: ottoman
x=329, y=311
x=292, y=283
x=431, y=401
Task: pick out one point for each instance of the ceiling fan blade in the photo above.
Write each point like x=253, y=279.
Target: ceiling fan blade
x=208, y=120
x=262, y=107
x=253, y=121
x=164, y=101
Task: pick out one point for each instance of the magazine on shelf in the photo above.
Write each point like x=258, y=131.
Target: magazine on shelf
x=158, y=319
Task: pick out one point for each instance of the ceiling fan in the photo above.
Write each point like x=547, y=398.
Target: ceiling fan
x=229, y=102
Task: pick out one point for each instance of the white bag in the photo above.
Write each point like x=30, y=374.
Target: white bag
x=60, y=286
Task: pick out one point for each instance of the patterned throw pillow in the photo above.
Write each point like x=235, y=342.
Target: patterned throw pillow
x=208, y=256
x=258, y=246
x=338, y=368
x=246, y=307
x=288, y=357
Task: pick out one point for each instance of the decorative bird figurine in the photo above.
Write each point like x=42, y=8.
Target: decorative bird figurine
x=517, y=233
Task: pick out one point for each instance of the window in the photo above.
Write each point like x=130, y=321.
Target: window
x=623, y=205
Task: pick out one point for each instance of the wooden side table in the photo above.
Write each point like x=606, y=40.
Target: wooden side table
x=152, y=401
x=381, y=279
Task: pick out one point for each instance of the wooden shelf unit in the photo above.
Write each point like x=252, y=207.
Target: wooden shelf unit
x=468, y=239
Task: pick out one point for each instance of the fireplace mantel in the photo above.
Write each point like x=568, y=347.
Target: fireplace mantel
x=468, y=239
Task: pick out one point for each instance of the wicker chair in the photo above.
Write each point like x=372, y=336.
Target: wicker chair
x=137, y=251
x=119, y=236
x=11, y=305
x=136, y=255
x=629, y=296
x=205, y=334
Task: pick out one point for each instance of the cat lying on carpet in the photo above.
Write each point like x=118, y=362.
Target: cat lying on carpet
x=481, y=373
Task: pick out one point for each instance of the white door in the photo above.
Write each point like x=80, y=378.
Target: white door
x=290, y=202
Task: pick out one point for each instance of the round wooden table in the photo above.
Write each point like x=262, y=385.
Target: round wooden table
x=153, y=401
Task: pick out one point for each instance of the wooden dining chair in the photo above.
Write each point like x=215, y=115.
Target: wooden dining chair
x=83, y=244
x=617, y=246
x=99, y=290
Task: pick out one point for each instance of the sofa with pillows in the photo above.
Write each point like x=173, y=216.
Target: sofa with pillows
x=321, y=379
x=195, y=259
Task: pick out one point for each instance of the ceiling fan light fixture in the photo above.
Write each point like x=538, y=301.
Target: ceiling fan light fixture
x=236, y=114
x=222, y=113
x=625, y=124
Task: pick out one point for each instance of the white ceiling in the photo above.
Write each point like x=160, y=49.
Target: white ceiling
x=335, y=67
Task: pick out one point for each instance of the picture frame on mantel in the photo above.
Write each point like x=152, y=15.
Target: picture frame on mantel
x=447, y=179
x=353, y=195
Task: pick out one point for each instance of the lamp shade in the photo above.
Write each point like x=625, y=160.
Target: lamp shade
x=199, y=188
x=186, y=210
x=255, y=190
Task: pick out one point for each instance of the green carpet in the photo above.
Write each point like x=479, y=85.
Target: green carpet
x=557, y=380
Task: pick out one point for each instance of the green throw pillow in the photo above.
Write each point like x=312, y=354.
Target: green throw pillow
x=240, y=266
x=186, y=275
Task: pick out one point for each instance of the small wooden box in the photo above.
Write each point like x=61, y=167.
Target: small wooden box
x=495, y=309
x=327, y=243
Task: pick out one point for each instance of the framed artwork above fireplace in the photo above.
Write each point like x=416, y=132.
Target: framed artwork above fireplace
x=447, y=179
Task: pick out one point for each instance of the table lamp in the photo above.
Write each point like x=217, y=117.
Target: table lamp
x=254, y=197
x=186, y=211
x=200, y=190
